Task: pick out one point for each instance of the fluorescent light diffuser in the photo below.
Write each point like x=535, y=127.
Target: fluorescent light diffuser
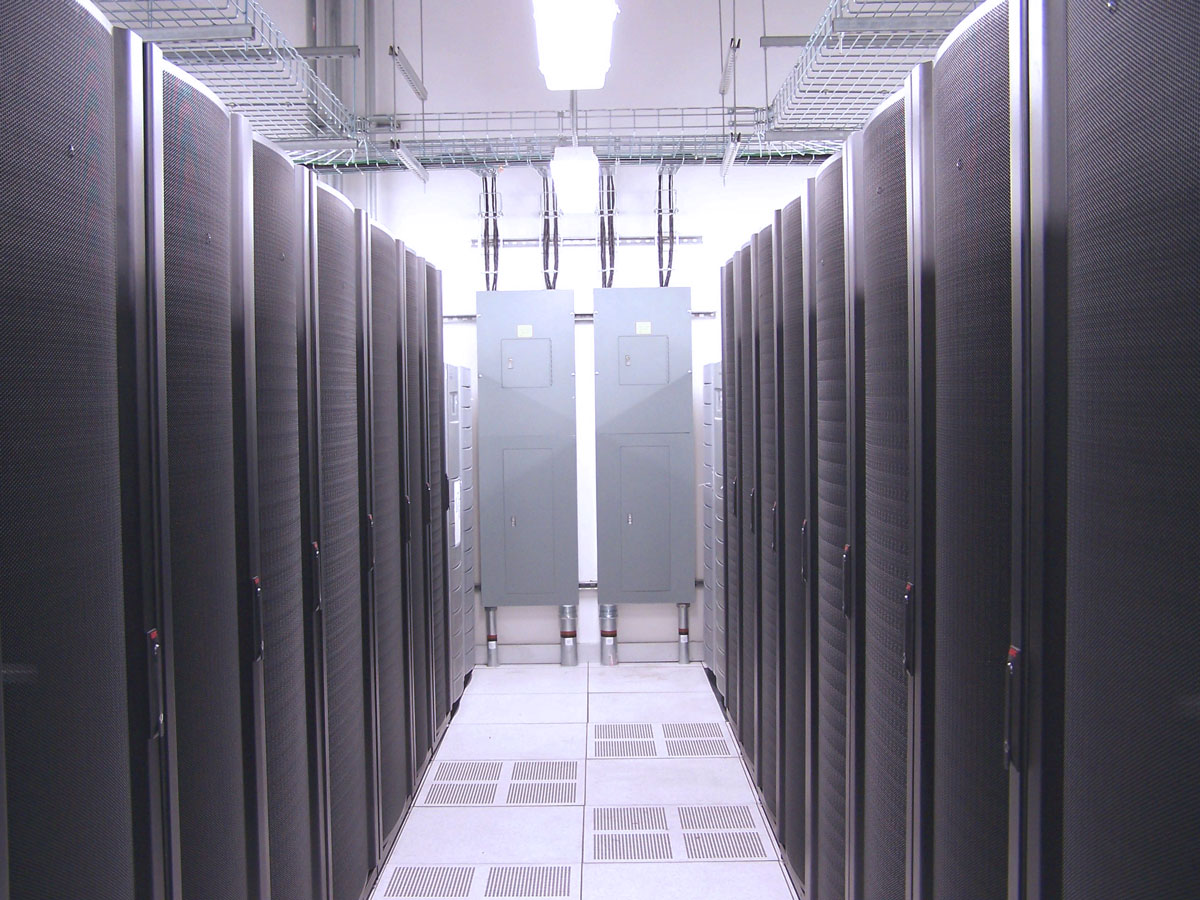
x=574, y=39
x=576, y=174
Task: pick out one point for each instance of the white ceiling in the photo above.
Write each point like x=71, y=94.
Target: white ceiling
x=480, y=55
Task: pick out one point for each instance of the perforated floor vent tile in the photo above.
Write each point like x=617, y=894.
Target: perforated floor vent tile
x=528, y=881
x=508, y=783
x=659, y=740
x=637, y=846
x=724, y=845
x=511, y=882
x=698, y=748
x=460, y=793
x=624, y=750
x=430, y=881
x=542, y=793
x=615, y=834
x=692, y=730
x=629, y=818
x=467, y=771
x=609, y=732
x=716, y=818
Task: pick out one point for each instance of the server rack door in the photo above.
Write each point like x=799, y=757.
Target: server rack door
x=278, y=296
x=708, y=523
x=391, y=658
x=469, y=518
x=853, y=587
x=832, y=535
x=1114, y=257
x=748, y=654
x=974, y=458
x=206, y=623
x=438, y=577
x=886, y=512
x=417, y=505
x=646, y=518
x=454, y=562
x=246, y=504
x=66, y=744
x=733, y=487
x=922, y=440
x=718, y=512
x=771, y=584
x=797, y=491
x=351, y=840
x=527, y=472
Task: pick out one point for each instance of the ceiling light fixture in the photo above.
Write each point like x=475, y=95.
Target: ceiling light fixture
x=575, y=171
x=574, y=39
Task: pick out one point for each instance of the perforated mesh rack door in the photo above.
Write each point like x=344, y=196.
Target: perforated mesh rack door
x=415, y=463
x=888, y=521
x=795, y=386
x=733, y=518
x=277, y=222
x=65, y=716
x=974, y=438
x=745, y=303
x=768, y=517
x=436, y=406
x=341, y=521
x=1132, y=730
x=204, y=596
x=391, y=675
x=831, y=532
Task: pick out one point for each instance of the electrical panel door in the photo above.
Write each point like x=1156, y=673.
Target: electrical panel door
x=644, y=455
x=527, y=461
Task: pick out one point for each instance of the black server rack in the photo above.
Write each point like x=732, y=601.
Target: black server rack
x=208, y=620
x=887, y=555
x=280, y=235
x=65, y=748
x=339, y=298
x=1106, y=638
x=417, y=494
x=832, y=534
x=745, y=303
x=767, y=515
x=391, y=692
x=435, y=407
x=974, y=457
x=733, y=515
x=797, y=493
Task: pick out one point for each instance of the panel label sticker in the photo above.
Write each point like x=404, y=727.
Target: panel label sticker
x=643, y=328
x=524, y=331
x=457, y=512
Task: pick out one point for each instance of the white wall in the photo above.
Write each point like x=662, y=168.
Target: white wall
x=439, y=221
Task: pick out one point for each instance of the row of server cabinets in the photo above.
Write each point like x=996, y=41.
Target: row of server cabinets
x=952, y=493
x=227, y=639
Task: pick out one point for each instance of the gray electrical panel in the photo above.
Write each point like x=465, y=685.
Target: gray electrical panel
x=526, y=448
x=466, y=425
x=454, y=546
x=645, y=476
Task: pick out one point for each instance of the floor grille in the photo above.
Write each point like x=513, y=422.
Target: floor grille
x=716, y=818
x=631, y=846
x=528, y=881
x=652, y=740
x=629, y=818
x=508, y=783
x=724, y=845
x=430, y=881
